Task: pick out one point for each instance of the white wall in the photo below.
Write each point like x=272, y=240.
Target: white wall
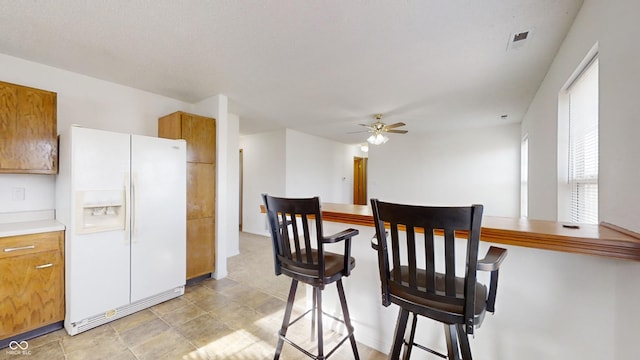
x=264, y=171
x=602, y=22
x=619, y=113
x=232, y=207
x=475, y=166
x=450, y=168
x=291, y=163
x=319, y=167
x=611, y=24
x=81, y=100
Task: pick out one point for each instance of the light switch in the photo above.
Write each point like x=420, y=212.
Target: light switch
x=17, y=194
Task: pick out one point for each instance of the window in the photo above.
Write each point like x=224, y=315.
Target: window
x=524, y=177
x=582, y=172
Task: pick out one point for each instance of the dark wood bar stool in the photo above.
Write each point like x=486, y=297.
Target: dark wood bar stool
x=410, y=280
x=301, y=256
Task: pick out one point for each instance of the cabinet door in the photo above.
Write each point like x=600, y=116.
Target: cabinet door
x=200, y=133
x=170, y=126
x=200, y=190
x=31, y=292
x=200, y=249
x=100, y=262
x=28, y=127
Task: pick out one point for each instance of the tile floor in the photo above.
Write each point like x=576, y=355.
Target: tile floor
x=233, y=318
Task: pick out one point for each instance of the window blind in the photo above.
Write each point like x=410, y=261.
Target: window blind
x=583, y=146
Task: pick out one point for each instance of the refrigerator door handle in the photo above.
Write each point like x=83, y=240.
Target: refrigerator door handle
x=127, y=201
x=134, y=196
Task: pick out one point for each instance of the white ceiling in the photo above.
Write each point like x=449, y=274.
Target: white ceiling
x=320, y=67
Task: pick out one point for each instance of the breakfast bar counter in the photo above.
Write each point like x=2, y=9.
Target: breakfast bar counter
x=603, y=240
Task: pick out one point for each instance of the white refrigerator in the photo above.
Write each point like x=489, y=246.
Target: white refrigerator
x=122, y=199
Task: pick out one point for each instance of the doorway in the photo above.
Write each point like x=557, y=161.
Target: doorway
x=359, y=180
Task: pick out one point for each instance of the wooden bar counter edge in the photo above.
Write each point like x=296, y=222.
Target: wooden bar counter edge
x=601, y=240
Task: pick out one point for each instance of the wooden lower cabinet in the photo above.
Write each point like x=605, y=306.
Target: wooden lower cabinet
x=200, y=247
x=31, y=282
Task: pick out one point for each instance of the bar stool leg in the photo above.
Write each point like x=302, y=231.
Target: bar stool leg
x=287, y=317
x=398, y=337
x=452, y=341
x=347, y=319
x=464, y=342
x=314, y=305
x=320, y=337
x=408, y=344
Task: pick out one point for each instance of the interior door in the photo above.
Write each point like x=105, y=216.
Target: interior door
x=158, y=222
x=360, y=181
x=97, y=263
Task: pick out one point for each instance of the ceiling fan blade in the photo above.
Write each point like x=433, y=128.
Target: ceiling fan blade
x=398, y=131
x=359, y=132
x=365, y=125
x=398, y=124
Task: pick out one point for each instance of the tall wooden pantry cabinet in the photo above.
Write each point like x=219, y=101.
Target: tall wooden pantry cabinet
x=200, y=134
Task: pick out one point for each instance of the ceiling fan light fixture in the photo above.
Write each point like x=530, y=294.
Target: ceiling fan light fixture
x=377, y=139
x=378, y=130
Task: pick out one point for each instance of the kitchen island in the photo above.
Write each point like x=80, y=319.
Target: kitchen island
x=564, y=293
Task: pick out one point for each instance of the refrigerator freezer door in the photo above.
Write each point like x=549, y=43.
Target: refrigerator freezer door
x=158, y=221
x=97, y=264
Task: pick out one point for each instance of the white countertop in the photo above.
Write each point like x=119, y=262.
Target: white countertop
x=29, y=227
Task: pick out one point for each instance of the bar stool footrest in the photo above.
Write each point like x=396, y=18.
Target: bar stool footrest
x=431, y=351
x=306, y=352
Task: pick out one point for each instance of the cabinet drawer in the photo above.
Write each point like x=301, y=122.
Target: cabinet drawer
x=31, y=292
x=29, y=244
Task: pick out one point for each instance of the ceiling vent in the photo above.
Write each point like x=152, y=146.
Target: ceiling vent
x=520, y=36
x=519, y=39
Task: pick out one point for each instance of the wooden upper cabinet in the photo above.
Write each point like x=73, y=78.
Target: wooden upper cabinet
x=199, y=131
x=28, y=130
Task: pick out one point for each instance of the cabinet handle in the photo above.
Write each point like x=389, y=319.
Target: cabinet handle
x=44, y=266
x=20, y=248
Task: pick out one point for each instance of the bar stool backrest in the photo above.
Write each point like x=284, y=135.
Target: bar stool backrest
x=296, y=227
x=408, y=267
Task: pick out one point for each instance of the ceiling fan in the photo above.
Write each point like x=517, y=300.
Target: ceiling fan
x=378, y=129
